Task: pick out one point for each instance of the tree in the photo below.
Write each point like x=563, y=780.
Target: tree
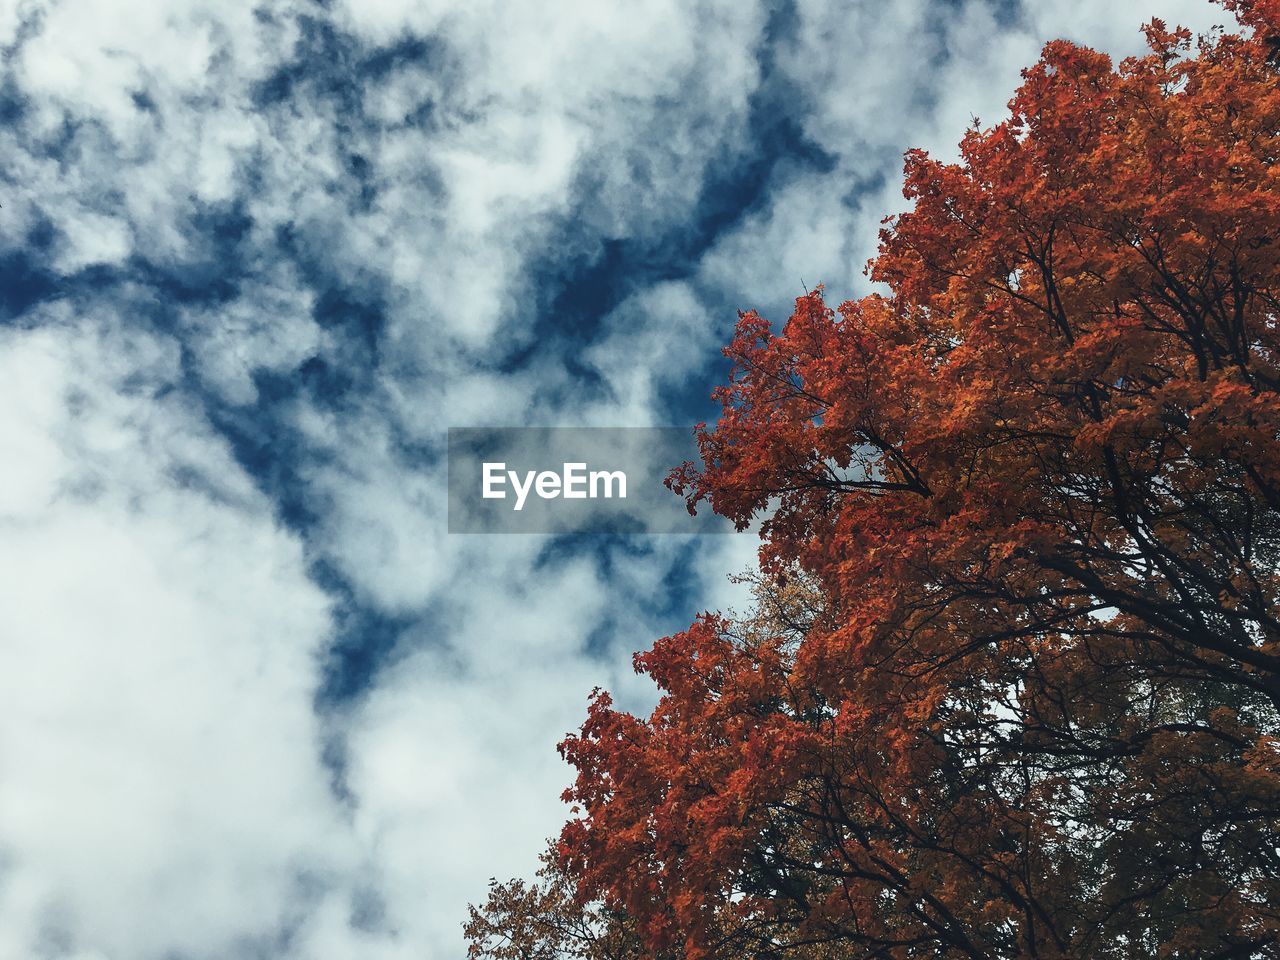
x=1036, y=485
x=543, y=921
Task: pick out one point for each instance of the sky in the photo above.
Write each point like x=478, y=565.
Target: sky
x=255, y=259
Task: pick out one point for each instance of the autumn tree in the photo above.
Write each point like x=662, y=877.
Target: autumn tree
x=543, y=920
x=546, y=919
x=1036, y=484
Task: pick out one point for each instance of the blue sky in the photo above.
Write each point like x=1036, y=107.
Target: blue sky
x=254, y=261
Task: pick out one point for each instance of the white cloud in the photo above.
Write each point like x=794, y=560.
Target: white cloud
x=93, y=239
x=159, y=783
x=668, y=326
x=268, y=329
x=384, y=519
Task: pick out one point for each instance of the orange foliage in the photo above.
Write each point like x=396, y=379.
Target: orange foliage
x=1036, y=485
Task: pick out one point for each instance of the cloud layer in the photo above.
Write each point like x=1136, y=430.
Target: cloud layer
x=256, y=702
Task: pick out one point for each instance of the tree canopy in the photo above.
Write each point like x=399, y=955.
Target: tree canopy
x=1030, y=704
